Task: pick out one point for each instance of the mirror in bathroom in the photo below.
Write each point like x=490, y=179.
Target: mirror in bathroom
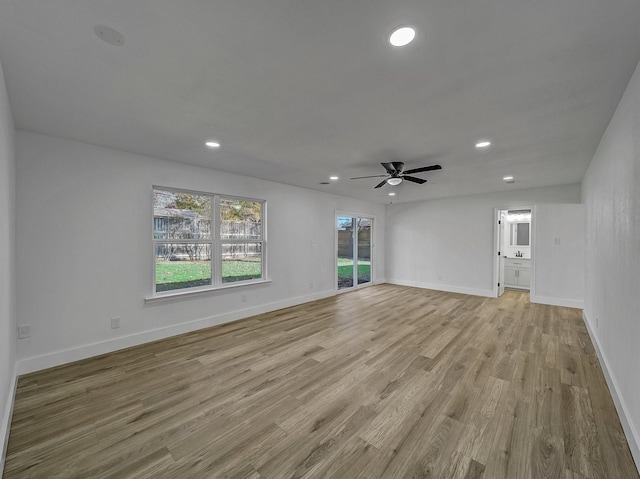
x=519, y=234
x=519, y=222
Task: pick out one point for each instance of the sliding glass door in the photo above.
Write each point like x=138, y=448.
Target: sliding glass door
x=354, y=251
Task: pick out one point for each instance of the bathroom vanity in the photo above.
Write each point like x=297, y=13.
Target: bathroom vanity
x=517, y=273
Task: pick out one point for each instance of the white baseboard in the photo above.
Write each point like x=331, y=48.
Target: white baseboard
x=5, y=427
x=633, y=438
x=567, y=303
x=442, y=287
x=57, y=358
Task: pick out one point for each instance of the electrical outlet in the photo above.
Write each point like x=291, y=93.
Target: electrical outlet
x=597, y=321
x=24, y=332
x=558, y=241
x=115, y=322
x=439, y=278
x=244, y=298
x=311, y=285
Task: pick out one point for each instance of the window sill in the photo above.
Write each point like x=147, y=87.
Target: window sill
x=175, y=295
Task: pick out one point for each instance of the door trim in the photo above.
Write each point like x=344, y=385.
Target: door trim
x=496, y=239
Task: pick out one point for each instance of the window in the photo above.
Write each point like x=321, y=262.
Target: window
x=205, y=241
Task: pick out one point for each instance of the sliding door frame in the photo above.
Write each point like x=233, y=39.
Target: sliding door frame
x=356, y=216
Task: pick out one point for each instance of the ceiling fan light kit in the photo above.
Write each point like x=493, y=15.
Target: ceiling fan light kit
x=394, y=181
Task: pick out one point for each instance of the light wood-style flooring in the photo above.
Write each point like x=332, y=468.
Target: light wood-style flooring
x=386, y=381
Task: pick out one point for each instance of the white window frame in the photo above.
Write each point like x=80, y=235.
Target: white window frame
x=215, y=243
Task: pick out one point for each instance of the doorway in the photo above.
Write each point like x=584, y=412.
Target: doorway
x=513, y=249
x=353, y=256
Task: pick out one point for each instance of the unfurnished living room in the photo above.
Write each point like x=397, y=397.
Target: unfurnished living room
x=318, y=239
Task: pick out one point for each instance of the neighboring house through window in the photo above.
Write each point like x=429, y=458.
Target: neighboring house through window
x=205, y=241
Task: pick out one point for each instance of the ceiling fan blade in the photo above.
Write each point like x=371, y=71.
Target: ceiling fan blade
x=398, y=165
x=382, y=183
x=373, y=176
x=424, y=168
x=389, y=167
x=413, y=179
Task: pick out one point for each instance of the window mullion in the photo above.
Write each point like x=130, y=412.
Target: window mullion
x=216, y=250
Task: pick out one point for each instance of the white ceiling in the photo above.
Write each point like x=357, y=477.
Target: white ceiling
x=296, y=90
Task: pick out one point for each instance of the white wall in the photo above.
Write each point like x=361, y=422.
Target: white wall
x=7, y=267
x=448, y=244
x=85, y=255
x=559, y=258
x=611, y=192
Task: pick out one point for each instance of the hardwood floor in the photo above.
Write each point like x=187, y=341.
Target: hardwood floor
x=386, y=381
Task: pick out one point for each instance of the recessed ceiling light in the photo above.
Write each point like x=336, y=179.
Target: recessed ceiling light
x=212, y=144
x=507, y=178
x=392, y=194
x=334, y=178
x=402, y=36
x=109, y=35
x=483, y=144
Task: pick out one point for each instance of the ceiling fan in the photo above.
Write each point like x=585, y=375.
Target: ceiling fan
x=396, y=174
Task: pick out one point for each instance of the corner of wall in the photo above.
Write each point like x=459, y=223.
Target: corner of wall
x=8, y=374
x=5, y=426
x=633, y=438
x=567, y=303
